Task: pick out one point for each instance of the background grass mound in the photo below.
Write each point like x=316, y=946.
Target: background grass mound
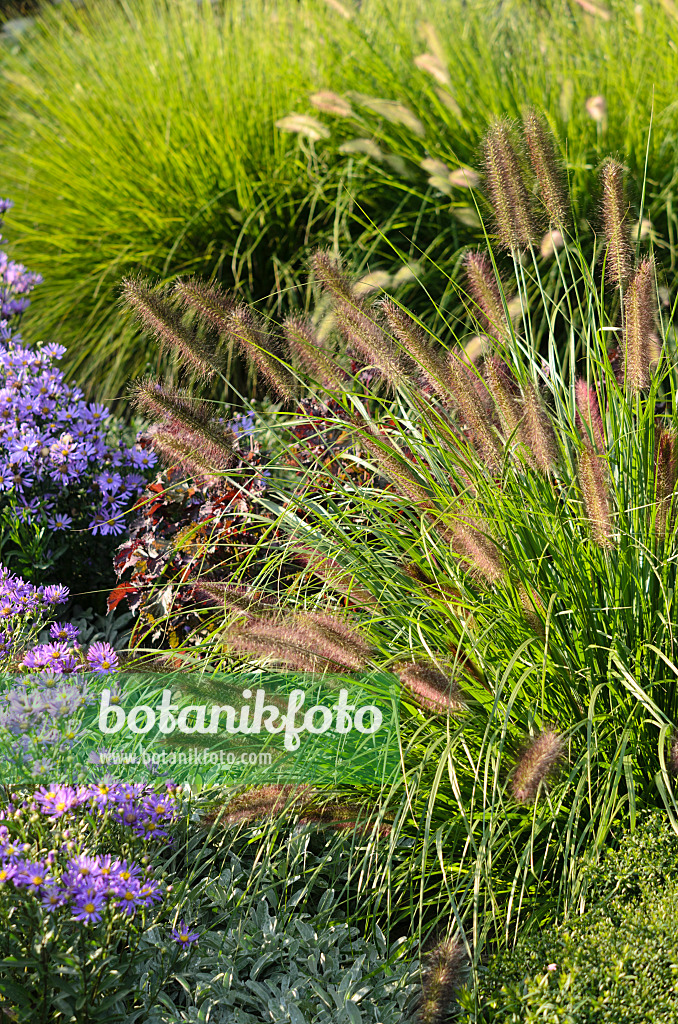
x=142, y=137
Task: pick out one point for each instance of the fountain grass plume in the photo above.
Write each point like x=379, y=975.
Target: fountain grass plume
x=367, y=338
x=588, y=419
x=505, y=392
x=156, y=314
x=593, y=480
x=327, y=270
x=478, y=549
x=307, y=642
x=666, y=474
x=463, y=384
x=639, y=324
x=187, y=420
x=618, y=262
x=538, y=760
x=488, y=307
x=255, y=342
x=418, y=347
x=434, y=690
x=446, y=969
x=309, y=355
x=187, y=457
x=536, y=431
x=547, y=168
x=210, y=301
x=508, y=189
x=334, y=575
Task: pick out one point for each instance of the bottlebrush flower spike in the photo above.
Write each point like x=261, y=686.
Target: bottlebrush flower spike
x=588, y=419
x=594, y=485
x=508, y=191
x=310, y=356
x=336, y=637
x=536, y=431
x=445, y=972
x=639, y=320
x=329, y=274
x=432, y=688
x=666, y=473
x=366, y=336
x=618, y=262
x=176, y=452
x=309, y=643
x=547, y=168
x=234, y=598
x=255, y=342
x=155, y=313
x=186, y=420
x=462, y=386
x=484, y=290
x=264, y=801
x=416, y=345
x=478, y=550
x=537, y=761
x=209, y=300
x=333, y=574
x=504, y=389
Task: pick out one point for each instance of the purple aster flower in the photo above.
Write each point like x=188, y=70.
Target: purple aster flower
x=64, y=632
x=88, y=908
x=183, y=935
x=32, y=874
x=150, y=893
x=102, y=658
x=7, y=872
x=53, y=897
x=59, y=521
x=56, y=594
x=129, y=898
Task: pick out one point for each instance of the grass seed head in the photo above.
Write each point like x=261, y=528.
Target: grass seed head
x=210, y=301
x=508, y=190
x=547, y=168
x=593, y=480
x=484, y=290
x=249, y=333
x=536, y=431
x=445, y=971
x=639, y=322
x=537, y=761
x=432, y=688
x=156, y=314
x=618, y=264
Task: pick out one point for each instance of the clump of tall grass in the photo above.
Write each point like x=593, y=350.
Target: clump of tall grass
x=518, y=540
x=141, y=136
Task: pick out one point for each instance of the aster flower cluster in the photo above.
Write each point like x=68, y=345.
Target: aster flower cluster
x=16, y=282
x=24, y=609
x=59, y=464
x=42, y=712
x=83, y=885
x=64, y=656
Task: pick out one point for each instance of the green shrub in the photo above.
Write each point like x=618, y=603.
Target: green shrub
x=616, y=963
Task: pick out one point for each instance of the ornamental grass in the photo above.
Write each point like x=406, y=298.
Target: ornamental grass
x=516, y=536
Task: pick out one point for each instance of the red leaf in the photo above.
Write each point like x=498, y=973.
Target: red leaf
x=117, y=595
